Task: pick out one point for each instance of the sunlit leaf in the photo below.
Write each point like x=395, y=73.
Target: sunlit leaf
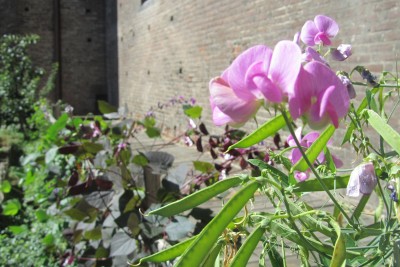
x=193, y=112
x=388, y=133
x=105, y=107
x=11, y=207
x=202, y=166
x=5, y=186
x=18, y=229
x=268, y=129
x=54, y=129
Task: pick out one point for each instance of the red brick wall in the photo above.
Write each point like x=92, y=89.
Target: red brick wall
x=83, y=46
x=169, y=48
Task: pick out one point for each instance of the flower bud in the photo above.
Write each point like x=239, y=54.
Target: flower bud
x=362, y=180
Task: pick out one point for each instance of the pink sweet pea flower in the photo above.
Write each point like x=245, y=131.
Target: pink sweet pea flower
x=319, y=96
x=306, y=142
x=228, y=108
x=257, y=75
x=319, y=31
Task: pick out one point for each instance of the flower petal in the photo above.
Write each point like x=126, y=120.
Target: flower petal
x=238, y=69
x=326, y=25
x=223, y=98
x=308, y=32
x=285, y=65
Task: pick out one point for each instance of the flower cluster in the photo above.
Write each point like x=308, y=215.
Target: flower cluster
x=262, y=76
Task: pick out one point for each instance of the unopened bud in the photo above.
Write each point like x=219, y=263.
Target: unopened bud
x=362, y=180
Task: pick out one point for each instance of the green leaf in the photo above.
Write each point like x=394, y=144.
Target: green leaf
x=315, y=149
x=384, y=129
x=41, y=215
x=106, y=108
x=262, y=165
x=204, y=167
x=11, y=207
x=5, y=186
x=313, y=185
x=266, y=130
x=54, y=129
x=48, y=240
x=193, y=112
x=92, y=148
x=274, y=257
x=140, y=160
x=18, y=229
x=94, y=234
x=76, y=214
x=153, y=132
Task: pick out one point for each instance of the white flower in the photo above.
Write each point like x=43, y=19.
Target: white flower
x=362, y=180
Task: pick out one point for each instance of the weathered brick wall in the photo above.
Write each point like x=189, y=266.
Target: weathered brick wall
x=169, y=48
x=82, y=40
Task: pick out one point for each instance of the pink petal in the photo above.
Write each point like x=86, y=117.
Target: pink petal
x=308, y=33
x=337, y=161
x=223, y=98
x=255, y=77
x=270, y=91
x=300, y=99
x=323, y=78
x=322, y=38
x=220, y=118
x=237, y=70
x=301, y=176
x=326, y=25
x=285, y=65
x=324, y=99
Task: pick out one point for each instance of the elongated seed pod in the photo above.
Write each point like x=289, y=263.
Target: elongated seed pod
x=167, y=254
x=196, y=198
x=198, y=250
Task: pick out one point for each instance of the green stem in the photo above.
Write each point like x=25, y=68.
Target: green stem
x=350, y=221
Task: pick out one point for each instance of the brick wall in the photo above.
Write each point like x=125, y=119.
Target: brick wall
x=82, y=44
x=169, y=48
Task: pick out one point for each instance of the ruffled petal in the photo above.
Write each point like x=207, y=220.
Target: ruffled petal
x=223, y=98
x=326, y=25
x=308, y=32
x=238, y=69
x=285, y=66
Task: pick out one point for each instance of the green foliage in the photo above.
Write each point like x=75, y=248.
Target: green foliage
x=19, y=80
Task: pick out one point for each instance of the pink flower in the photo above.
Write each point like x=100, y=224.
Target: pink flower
x=228, y=108
x=306, y=142
x=319, y=31
x=319, y=96
x=311, y=55
x=257, y=75
x=362, y=180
